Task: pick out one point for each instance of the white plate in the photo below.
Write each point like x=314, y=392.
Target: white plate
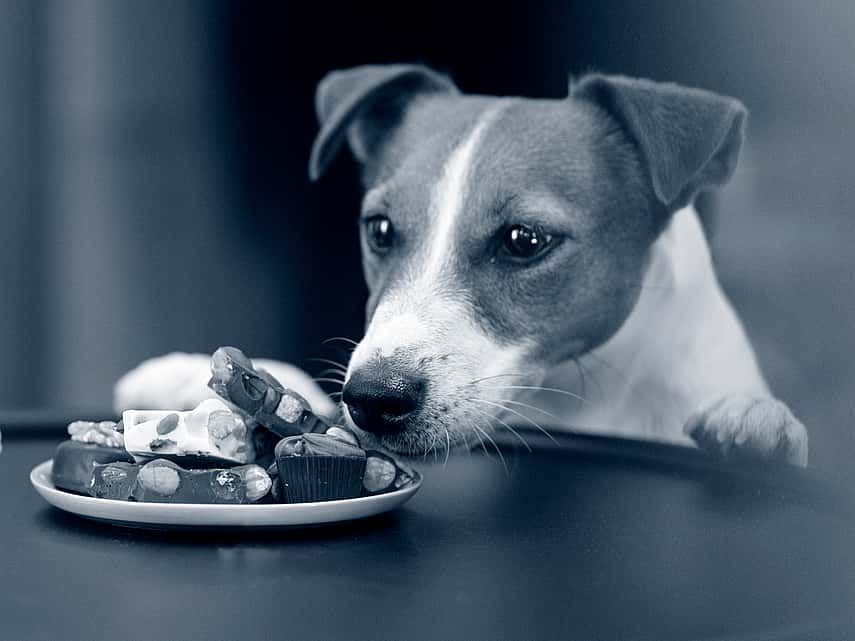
x=166, y=515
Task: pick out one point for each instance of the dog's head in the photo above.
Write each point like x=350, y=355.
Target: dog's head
x=503, y=236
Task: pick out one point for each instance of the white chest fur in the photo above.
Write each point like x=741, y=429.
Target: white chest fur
x=681, y=348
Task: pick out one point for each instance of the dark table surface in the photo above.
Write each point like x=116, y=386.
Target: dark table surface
x=597, y=539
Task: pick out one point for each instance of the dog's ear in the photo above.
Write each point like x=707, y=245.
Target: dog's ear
x=362, y=104
x=689, y=139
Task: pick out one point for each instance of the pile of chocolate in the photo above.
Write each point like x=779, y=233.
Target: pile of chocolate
x=258, y=442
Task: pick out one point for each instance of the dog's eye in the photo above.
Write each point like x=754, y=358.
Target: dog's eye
x=525, y=243
x=380, y=234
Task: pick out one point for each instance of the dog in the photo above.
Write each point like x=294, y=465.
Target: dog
x=532, y=260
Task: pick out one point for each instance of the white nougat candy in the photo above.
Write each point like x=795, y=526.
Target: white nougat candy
x=211, y=433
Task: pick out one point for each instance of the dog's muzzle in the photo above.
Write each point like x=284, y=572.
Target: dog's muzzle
x=380, y=396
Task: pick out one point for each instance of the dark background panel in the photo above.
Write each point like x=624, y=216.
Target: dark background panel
x=156, y=198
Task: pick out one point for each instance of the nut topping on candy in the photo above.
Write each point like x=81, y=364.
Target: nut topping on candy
x=167, y=424
x=102, y=433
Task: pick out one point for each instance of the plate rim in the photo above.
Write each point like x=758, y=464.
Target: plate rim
x=142, y=514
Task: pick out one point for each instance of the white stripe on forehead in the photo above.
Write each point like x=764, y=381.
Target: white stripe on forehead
x=449, y=194
x=400, y=319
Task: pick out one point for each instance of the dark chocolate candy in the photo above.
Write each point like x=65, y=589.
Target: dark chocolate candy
x=257, y=393
x=74, y=462
x=162, y=481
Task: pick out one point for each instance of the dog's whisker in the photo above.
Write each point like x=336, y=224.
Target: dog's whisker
x=331, y=394
x=483, y=447
x=340, y=338
x=433, y=446
x=537, y=388
x=447, y=446
x=581, y=377
x=522, y=416
x=505, y=425
x=322, y=379
x=329, y=361
x=487, y=378
x=496, y=447
x=531, y=407
x=332, y=370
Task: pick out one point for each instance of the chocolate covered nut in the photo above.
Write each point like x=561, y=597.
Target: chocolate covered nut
x=74, y=462
x=161, y=477
x=380, y=472
x=257, y=482
x=114, y=481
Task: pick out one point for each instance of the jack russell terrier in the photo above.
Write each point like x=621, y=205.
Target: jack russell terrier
x=529, y=259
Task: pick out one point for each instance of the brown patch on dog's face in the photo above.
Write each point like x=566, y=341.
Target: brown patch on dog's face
x=562, y=168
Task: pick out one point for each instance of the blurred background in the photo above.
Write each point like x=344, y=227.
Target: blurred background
x=155, y=192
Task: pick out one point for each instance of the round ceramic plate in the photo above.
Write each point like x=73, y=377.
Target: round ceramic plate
x=182, y=515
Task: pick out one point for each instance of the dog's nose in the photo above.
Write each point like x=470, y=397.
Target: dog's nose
x=379, y=398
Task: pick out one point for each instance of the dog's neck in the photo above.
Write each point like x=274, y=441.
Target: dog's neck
x=681, y=347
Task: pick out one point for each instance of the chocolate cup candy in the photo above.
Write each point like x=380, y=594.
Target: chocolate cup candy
x=74, y=462
x=304, y=479
x=317, y=467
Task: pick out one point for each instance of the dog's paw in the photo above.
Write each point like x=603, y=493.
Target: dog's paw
x=179, y=381
x=744, y=427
